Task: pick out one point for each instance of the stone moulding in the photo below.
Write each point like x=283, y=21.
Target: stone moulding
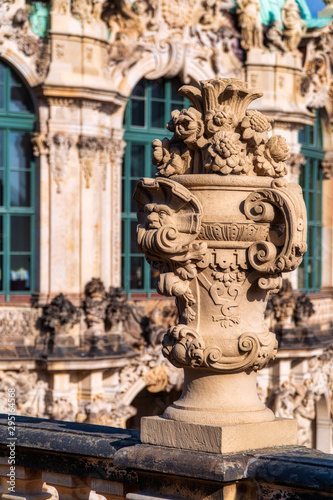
x=221, y=224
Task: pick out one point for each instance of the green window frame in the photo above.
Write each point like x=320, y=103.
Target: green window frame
x=17, y=186
x=147, y=113
x=311, y=180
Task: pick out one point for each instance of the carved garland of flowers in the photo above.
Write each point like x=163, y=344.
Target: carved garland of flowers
x=219, y=135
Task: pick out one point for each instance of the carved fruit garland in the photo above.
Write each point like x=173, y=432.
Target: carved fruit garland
x=218, y=135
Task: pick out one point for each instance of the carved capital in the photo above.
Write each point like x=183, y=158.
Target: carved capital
x=88, y=148
x=40, y=144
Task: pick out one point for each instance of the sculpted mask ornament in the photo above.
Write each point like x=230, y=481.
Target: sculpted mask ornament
x=220, y=224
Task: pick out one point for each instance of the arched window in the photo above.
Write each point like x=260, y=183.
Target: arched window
x=17, y=211
x=311, y=179
x=147, y=113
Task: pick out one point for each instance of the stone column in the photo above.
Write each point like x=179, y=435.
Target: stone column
x=221, y=224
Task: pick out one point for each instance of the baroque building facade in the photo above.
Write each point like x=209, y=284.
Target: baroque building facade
x=85, y=88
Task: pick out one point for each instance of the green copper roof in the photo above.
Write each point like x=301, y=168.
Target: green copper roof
x=270, y=10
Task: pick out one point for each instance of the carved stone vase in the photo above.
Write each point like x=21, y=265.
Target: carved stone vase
x=220, y=224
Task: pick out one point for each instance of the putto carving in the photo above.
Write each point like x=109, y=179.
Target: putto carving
x=57, y=318
x=142, y=28
x=289, y=307
x=250, y=23
x=220, y=224
x=95, y=303
x=59, y=145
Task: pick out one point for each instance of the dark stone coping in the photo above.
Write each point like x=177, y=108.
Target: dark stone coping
x=116, y=454
x=98, y=441
x=68, y=447
x=298, y=467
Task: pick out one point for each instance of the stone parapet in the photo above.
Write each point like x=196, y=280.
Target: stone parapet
x=81, y=460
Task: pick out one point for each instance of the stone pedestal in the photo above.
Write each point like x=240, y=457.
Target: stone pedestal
x=218, y=438
x=220, y=224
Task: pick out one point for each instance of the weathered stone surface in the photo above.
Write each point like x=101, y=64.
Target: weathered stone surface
x=221, y=225
x=218, y=439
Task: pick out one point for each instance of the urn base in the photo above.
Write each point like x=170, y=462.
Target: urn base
x=218, y=438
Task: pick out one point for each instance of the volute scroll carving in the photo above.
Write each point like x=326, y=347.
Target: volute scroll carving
x=286, y=241
x=221, y=224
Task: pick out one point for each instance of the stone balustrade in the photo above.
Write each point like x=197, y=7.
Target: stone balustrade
x=65, y=460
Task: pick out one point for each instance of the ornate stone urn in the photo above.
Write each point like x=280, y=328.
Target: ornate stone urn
x=221, y=224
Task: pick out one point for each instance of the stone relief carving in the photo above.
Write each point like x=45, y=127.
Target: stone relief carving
x=327, y=165
x=30, y=393
x=59, y=145
x=298, y=395
x=88, y=148
x=146, y=27
x=212, y=259
x=85, y=10
x=315, y=84
x=250, y=23
x=18, y=322
x=16, y=34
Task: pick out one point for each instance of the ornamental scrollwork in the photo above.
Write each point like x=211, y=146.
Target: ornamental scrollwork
x=168, y=225
x=221, y=224
x=183, y=346
x=285, y=245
